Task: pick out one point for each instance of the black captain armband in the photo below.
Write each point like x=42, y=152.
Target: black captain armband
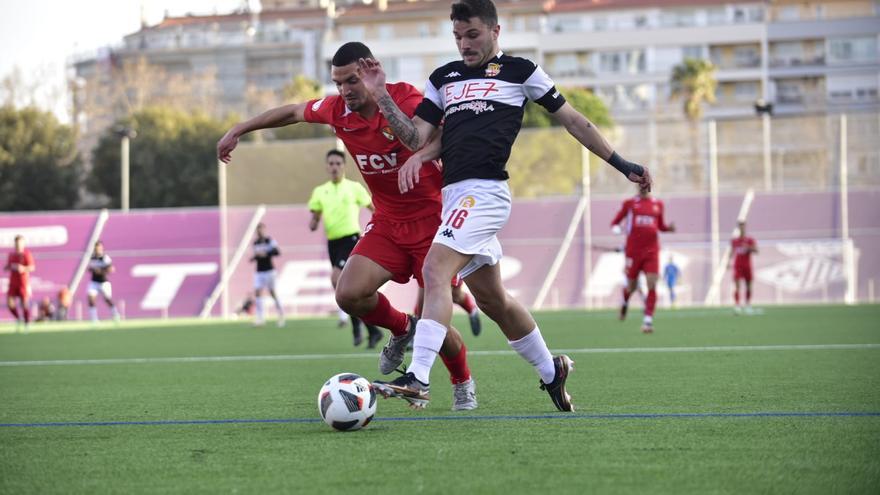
x=624, y=166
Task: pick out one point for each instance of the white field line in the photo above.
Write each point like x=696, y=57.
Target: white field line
x=317, y=357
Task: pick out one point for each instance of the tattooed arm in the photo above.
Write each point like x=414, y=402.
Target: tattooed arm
x=413, y=133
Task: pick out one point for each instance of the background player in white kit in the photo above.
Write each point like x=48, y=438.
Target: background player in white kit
x=100, y=265
x=265, y=248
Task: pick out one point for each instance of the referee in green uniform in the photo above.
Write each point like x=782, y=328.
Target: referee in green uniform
x=339, y=201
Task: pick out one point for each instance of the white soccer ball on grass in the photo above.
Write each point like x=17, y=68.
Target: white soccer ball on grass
x=347, y=402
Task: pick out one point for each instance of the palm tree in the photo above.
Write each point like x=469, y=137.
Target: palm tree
x=694, y=81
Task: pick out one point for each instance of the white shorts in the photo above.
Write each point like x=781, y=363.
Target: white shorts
x=264, y=280
x=474, y=211
x=104, y=288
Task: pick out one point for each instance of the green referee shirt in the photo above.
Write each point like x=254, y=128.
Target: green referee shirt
x=340, y=206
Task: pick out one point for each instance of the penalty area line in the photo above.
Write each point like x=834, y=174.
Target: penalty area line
x=317, y=357
x=498, y=417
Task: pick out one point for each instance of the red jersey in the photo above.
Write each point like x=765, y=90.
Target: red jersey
x=378, y=154
x=24, y=258
x=742, y=251
x=644, y=218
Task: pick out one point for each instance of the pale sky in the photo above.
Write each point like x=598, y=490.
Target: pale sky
x=40, y=36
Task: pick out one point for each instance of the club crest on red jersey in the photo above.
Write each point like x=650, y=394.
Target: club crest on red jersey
x=388, y=133
x=493, y=69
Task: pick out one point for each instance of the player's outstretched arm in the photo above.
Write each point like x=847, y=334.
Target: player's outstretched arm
x=277, y=117
x=588, y=135
x=408, y=175
x=413, y=133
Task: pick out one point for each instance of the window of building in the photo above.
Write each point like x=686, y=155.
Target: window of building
x=746, y=91
x=692, y=51
x=352, y=33
x=564, y=65
x=566, y=25
x=624, y=62
x=716, y=16
x=863, y=49
x=746, y=56
x=789, y=13
x=385, y=31
x=678, y=18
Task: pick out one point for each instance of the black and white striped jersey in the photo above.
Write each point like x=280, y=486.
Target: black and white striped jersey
x=482, y=110
x=264, y=249
x=98, y=266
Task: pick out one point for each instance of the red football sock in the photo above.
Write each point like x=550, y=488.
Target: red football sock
x=650, y=302
x=736, y=296
x=468, y=303
x=748, y=296
x=626, y=294
x=417, y=310
x=386, y=316
x=457, y=366
x=27, y=313
x=14, y=312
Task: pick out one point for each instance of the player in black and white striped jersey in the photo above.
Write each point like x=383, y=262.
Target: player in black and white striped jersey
x=476, y=105
x=265, y=248
x=100, y=265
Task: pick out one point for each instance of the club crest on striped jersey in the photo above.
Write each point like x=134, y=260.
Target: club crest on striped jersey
x=468, y=202
x=493, y=69
x=388, y=133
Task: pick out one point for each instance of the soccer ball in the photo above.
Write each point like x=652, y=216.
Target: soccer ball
x=347, y=402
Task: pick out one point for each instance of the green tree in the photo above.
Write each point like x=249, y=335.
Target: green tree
x=172, y=160
x=39, y=164
x=301, y=89
x=584, y=101
x=545, y=159
x=693, y=81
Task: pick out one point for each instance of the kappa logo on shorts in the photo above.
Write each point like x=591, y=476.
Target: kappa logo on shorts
x=447, y=233
x=468, y=202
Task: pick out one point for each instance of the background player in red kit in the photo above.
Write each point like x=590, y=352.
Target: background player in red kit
x=19, y=264
x=397, y=239
x=643, y=219
x=742, y=248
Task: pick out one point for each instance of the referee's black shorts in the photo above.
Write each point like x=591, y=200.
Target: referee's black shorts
x=340, y=249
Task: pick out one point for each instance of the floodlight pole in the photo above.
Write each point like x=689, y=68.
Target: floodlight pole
x=125, y=134
x=586, y=186
x=224, y=234
x=713, y=198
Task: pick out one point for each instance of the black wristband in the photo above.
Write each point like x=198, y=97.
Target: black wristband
x=625, y=167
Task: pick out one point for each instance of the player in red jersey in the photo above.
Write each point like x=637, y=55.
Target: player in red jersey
x=643, y=216
x=742, y=248
x=19, y=264
x=397, y=239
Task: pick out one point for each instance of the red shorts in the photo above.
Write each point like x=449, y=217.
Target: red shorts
x=645, y=261
x=399, y=248
x=742, y=273
x=19, y=290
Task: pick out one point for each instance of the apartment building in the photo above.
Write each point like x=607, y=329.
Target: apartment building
x=804, y=56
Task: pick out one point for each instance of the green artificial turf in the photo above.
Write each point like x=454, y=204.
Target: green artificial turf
x=647, y=421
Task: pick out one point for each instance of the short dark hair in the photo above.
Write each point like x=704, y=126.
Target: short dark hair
x=350, y=53
x=19, y=237
x=463, y=10
x=337, y=153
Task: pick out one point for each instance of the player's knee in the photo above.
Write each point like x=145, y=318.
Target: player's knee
x=348, y=297
x=435, y=277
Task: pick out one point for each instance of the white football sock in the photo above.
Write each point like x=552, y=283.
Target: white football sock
x=426, y=344
x=93, y=314
x=259, y=303
x=533, y=349
x=278, y=308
